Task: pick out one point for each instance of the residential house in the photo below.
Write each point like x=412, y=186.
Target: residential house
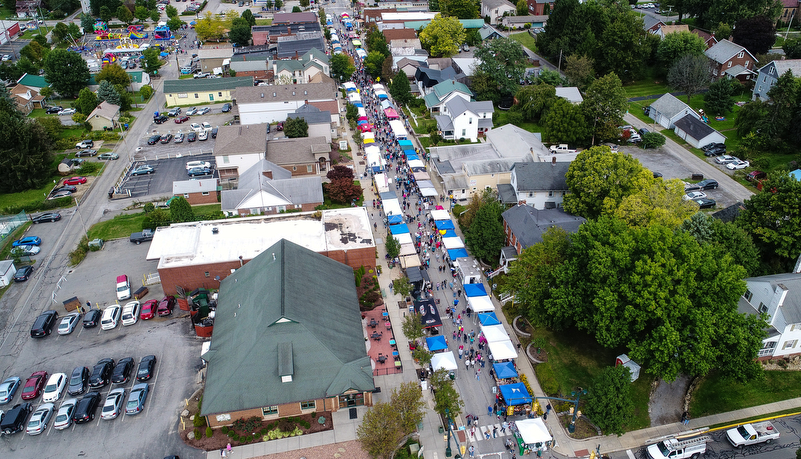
x=778, y=296
x=540, y=7
x=571, y=94
x=306, y=340
x=27, y=8
x=462, y=119
x=295, y=18
x=267, y=188
x=301, y=156
x=237, y=149
x=789, y=11
x=730, y=59
x=427, y=77
x=270, y=104
x=709, y=38
x=668, y=109
x=540, y=185
x=8, y=30
x=35, y=82
x=409, y=66
x=332, y=107
x=524, y=226
x=26, y=99
x=665, y=30
x=319, y=121
x=519, y=22
x=487, y=32
x=203, y=191
x=256, y=66
x=268, y=34
x=695, y=132
x=104, y=116
x=203, y=90
x=304, y=70
x=495, y=9
x=213, y=60
x=769, y=74
x=401, y=39
x=651, y=23
x=443, y=92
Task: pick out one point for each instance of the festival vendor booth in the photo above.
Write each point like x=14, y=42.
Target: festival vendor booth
x=365, y=127
x=427, y=188
x=455, y=254
x=368, y=138
x=362, y=54
x=379, y=87
x=505, y=371
x=375, y=161
x=501, y=350
x=444, y=225
x=354, y=97
x=444, y=360
x=362, y=112
x=391, y=114
x=438, y=214
x=381, y=183
x=416, y=165
x=481, y=304
x=406, y=144
x=418, y=176
x=429, y=315
x=381, y=94
x=516, y=397
x=468, y=270
x=493, y=333
x=452, y=243
x=385, y=104
x=407, y=257
x=398, y=130
x=436, y=344
x=392, y=210
x=475, y=290
x=420, y=281
x=532, y=436
x=488, y=318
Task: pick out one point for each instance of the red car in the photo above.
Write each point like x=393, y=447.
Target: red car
x=34, y=385
x=181, y=119
x=166, y=305
x=149, y=309
x=75, y=181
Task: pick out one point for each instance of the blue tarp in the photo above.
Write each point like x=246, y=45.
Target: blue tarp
x=410, y=157
x=405, y=142
x=515, y=394
x=399, y=229
x=395, y=219
x=505, y=370
x=474, y=290
x=457, y=253
x=382, y=96
x=358, y=104
x=444, y=224
x=450, y=233
x=488, y=318
x=436, y=343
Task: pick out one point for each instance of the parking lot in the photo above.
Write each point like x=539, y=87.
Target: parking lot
x=171, y=340
x=167, y=170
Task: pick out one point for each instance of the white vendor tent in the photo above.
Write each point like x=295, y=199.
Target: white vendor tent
x=502, y=350
x=404, y=238
x=480, y=303
x=494, y=332
x=392, y=207
x=444, y=360
x=533, y=431
x=372, y=150
x=440, y=214
x=416, y=164
x=452, y=243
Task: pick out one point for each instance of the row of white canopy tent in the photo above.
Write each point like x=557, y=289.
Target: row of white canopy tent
x=499, y=343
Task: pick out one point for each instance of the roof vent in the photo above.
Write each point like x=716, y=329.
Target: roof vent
x=293, y=93
x=305, y=92
x=273, y=94
x=215, y=230
x=262, y=95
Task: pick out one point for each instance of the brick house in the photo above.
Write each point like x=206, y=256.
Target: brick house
x=539, y=7
x=203, y=191
x=731, y=60
x=301, y=156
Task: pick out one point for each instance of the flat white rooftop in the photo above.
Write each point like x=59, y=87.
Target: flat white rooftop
x=197, y=243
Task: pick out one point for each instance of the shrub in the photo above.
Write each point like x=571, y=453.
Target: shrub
x=231, y=434
x=652, y=140
x=197, y=433
x=209, y=432
x=224, y=429
x=199, y=421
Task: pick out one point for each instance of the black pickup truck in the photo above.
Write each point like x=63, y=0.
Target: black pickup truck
x=14, y=420
x=143, y=236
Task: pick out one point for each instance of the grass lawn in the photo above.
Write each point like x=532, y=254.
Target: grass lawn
x=28, y=196
x=525, y=39
x=206, y=209
x=264, y=21
x=718, y=395
x=118, y=227
x=424, y=125
x=530, y=127
x=645, y=87
x=38, y=113
x=7, y=11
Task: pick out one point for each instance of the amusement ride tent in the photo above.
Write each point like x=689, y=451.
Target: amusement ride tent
x=515, y=394
x=504, y=370
x=436, y=343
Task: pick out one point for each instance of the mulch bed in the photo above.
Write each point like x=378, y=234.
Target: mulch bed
x=220, y=440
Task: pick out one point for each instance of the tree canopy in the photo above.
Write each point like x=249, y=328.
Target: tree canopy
x=504, y=60
x=565, y=123
x=485, y=236
x=240, y=32
x=690, y=73
x=757, y=34
x=181, y=210
x=609, y=402
x=25, y=149
x=66, y=71
x=342, y=67
x=296, y=127
x=443, y=36
x=114, y=74
x=678, y=44
x=400, y=88
x=605, y=103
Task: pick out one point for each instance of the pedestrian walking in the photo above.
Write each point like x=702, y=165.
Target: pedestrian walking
x=478, y=374
x=489, y=410
x=472, y=450
x=494, y=431
x=503, y=428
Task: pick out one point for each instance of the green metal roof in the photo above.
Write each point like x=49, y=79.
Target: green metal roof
x=316, y=54
x=288, y=310
x=441, y=90
x=34, y=81
x=466, y=23
x=206, y=84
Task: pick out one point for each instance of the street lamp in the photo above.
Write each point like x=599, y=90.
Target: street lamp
x=572, y=427
x=448, y=423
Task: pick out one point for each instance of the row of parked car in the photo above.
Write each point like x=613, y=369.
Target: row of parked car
x=71, y=410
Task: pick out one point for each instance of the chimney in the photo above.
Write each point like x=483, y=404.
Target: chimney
x=268, y=174
x=521, y=203
x=553, y=161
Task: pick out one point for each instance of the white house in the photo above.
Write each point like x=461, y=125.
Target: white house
x=443, y=92
x=778, y=296
x=540, y=185
x=696, y=132
x=495, y=9
x=237, y=149
x=270, y=104
x=668, y=109
x=463, y=119
x=304, y=70
x=319, y=121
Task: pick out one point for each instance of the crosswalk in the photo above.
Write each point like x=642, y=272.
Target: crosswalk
x=485, y=432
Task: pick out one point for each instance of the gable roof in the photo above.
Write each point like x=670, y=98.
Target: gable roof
x=441, y=90
x=510, y=141
x=316, y=54
x=570, y=93
x=668, y=29
x=491, y=4
x=724, y=50
x=709, y=39
x=241, y=140
x=793, y=65
x=694, y=127
x=791, y=307
x=299, y=44
x=194, y=186
x=650, y=22
x=330, y=106
x=541, y=176
x=301, y=150
x=529, y=224
x=669, y=105
x=487, y=31
x=406, y=61
x=729, y=214
x=326, y=90
x=34, y=81
x=104, y=110
x=458, y=105
x=312, y=115
x=206, y=84
x=270, y=315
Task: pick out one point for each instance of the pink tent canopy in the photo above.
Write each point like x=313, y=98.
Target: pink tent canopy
x=391, y=114
x=366, y=127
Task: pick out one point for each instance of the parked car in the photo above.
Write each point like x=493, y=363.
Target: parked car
x=75, y=181
x=203, y=111
x=9, y=387
x=280, y=126
x=86, y=407
x=206, y=126
x=68, y=323
x=143, y=170
x=153, y=139
x=130, y=313
x=166, y=306
x=34, y=385
x=79, y=381
x=101, y=373
x=67, y=111
x=123, y=286
x=70, y=188
x=53, y=110
x=193, y=164
x=28, y=240
x=202, y=135
x=192, y=111
x=113, y=406
x=195, y=127
x=84, y=144
x=179, y=137
x=87, y=152
x=43, y=325
x=55, y=387
x=111, y=317
x=166, y=138
x=735, y=165
x=108, y=156
x=715, y=151
x=181, y=119
x=48, y=217
x=725, y=159
x=708, y=184
x=226, y=108
x=705, y=203
x=214, y=133
x=191, y=136
x=712, y=146
x=92, y=318
x=198, y=171
x=755, y=176
x=64, y=415
x=39, y=419
x=13, y=420
x=174, y=111
x=60, y=194
x=145, y=370
x=122, y=370
x=136, y=399
x=161, y=119
x=23, y=273
x=26, y=250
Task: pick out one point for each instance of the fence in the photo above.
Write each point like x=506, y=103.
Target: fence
x=143, y=156
x=387, y=371
x=10, y=223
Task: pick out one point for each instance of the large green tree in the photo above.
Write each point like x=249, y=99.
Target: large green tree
x=605, y=103
x=376, y=41
x=342, y=67
x=124, y=14
x=579, y=71
x=86, y=101
x=401, y=89
x=566, y=123
x=107, y=92
x=407, y=399
x=719, y=99
x=66, y=71
x=296, y=127
x=152, y=62
x=599, y=180
x=373, y=63
x=181, y=210
x=660, y=203
x=380, y=431
x=25, y=149
x=534, y=100
x=443, y=36
x=728, y=238
x=609, y=402
x=757, y=34
x=504, y=60
x=690, y=73
x=240, y=32
x=114, y=74
x=485, y=237
x=678, y=44
x=461, y=9
x=447, y=401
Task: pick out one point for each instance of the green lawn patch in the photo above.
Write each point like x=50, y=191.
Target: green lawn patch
x=118, y=227
x=525, y=39
x=424, y=125
x=716, y=394
x=34, y=196
x=38, y=113
x=502, y=119
x=264, y=21
x=645, y=87
x=206, y=209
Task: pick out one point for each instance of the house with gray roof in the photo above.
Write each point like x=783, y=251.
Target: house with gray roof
x=651, y=23
x=303, y=70
x=237, y=149
x=319, y=121
x=302, y=155
x=539, y=184
x=519, y=22
x=769, y=74
x=668, y=109
x=284, y=345
x=731, y=60
x=462, y=119
x=294, y=46
x=524, y=225
x=271, y=104
x=267, y=188
x=203, y=191
x=104, y=116
x=695, y=132
x=441, y=93
x=495, y=9
x=778, y=296
x=570, y=93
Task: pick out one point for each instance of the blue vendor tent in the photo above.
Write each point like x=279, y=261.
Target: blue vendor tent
x=399, y=229
x=457, y=253
x=405, y=142
x=488, y=318
x=505, y=370
x=450, y=233
x=515, y=394
x=395, y=219
x=444, y=225
x=474, y=290
x=411, y=157
x=436, y=343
